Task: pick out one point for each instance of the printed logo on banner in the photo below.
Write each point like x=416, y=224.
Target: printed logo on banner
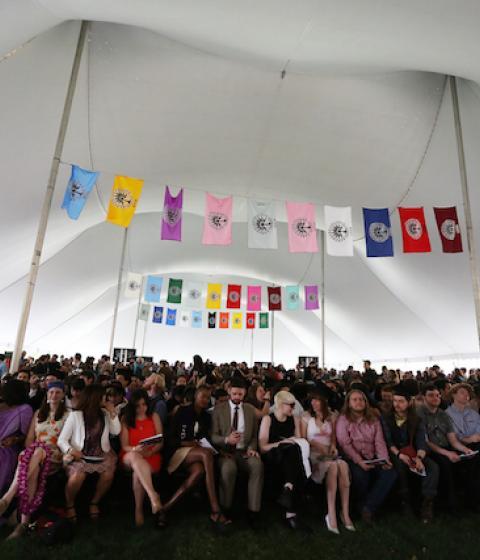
x=78, y=191
x=338, y=231
x=196, y=319
x=293, y=297
x=449, y=229
x=312, y=297
x=302, y=227
x=217, y=220
x=237, y=321
x=379, y=232
x=175, y=291
x=234, y=297
x=194, y=294
x=154, y=289
x=262, y=224
x=133, y=285
x=414, y=228
x=250, y=321
x=275, y=299
x=172, y=216
x=122, y=198
x=214, y=296
x=157, y=314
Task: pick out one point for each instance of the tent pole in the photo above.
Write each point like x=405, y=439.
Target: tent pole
x=144, y=336
x=322, y=243
x=466, y=202
x=47, y=201
x=272, y=336
x=136, y=318
x=251, y=348
x=119, y=287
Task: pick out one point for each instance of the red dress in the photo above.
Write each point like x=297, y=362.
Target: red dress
x=143, y=429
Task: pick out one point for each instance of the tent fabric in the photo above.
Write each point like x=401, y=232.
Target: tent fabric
x=200, y=103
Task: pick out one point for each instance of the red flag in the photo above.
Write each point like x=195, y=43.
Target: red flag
x=449, y=229
x=224, y=320
x=234, y=296
x=275, y=299
x=414, y=230
x=250, y=320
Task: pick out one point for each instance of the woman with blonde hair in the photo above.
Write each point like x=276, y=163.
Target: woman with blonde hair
x=359, y=434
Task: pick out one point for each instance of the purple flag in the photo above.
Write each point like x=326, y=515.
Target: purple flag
x=311, y=297
x=172, y=216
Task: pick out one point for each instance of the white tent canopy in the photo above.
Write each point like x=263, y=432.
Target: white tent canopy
x=191, y=94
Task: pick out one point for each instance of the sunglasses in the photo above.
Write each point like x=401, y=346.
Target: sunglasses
x=290, y=404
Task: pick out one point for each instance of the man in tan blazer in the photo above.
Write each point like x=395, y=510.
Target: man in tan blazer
x=234, y=434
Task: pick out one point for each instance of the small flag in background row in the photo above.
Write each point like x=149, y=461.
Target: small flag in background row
x=261, y=225
x=174, y=290
x=254, y=298
x=234, y=296
x=414, y=230
x=236, y=320
x=124, y=199
x=157, y=315
x=274, y=298
x=171, y=317
x=193, y=294
x=449, y=229
x=184, y=318
x=133, y=286
x=153, y=289
x=302, y=229
x=224, y=316
x=292, y=297
x=338, y=231
x=143, y=312
x=311, y=297
x=197, y=319
x=250, y=320
x=78, y=188
x=212, y=319
x=214, y=296
x=172, y=216
x=378, y=232
x=263, y=320
x=217, y=224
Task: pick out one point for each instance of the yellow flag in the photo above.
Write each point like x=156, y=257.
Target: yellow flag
x=214, y=296
x=237, y=320
x=123, y=202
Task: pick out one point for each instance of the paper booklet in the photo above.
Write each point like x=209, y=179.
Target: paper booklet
x=468, y=455
x=375, y=462
x=157, y=438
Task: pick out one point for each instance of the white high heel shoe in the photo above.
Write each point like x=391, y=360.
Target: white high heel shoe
x=347, y=527
x=330, y=528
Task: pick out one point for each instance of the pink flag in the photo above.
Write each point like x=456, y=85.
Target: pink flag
x=311, y=297
x=254, y=298
x=302, y=231
x=217, y=225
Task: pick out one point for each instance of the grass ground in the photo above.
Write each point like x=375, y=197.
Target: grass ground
x=189, y=536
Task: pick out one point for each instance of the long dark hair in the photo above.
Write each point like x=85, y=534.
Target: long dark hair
x=44, y=410
x=130, y=410
x=90, y=402
x=325, y=411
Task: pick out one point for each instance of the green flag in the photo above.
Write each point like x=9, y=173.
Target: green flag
x=264, y=320
x=174, y=291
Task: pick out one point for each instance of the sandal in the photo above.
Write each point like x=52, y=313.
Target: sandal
x=94, y=515
x=161, y=519
x=71, y=518
x=219, y=521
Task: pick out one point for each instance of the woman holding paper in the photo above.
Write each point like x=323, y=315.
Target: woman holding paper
x=359, y=434
x=141, y=452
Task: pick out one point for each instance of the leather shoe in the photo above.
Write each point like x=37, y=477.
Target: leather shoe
x=296, y=524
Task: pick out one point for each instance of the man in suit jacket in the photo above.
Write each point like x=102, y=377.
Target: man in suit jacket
x=234, y=434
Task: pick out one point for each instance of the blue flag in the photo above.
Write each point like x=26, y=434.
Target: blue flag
x=153, y=288
x=171, y=317
x=378, y=232
x=157, y=314
x=78, y=188
x=197, y=320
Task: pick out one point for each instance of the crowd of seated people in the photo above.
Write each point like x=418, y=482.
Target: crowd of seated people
x=362, y=443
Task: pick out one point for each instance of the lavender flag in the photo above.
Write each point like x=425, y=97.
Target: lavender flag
x=172, y=216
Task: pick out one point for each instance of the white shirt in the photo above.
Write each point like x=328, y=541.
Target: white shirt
x=241, y=422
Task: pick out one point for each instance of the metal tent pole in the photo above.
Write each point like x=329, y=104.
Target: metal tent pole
x=322, y=305
x=138, y=311
x=47, y=201
x=119, y=287
x=466, y=202
x=144, y=336
x=272, y=337
x=251, y=348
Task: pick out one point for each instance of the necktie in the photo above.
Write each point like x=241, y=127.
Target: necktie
x=235, y=420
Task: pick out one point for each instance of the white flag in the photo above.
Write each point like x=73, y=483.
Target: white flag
x=133, y=285
x=338, y=231
x=262, y=225
x=185, y=318
x=193, y=294
x=143, y=312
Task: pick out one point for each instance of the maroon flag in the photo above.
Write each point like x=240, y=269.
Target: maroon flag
x=449, y=229
x=234, y=296
x=275, y=298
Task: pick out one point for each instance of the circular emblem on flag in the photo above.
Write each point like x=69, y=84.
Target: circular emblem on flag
x=274, y=299
x=217, y=220
x=184, y=318
x=77, y=191
x=153, y=288
x=196, y=319
x=262, y=224
x=172, y=216
x=237, y=320
x=121, y=198
x=338, y=231
x=175, y=291
x=214, y=296
x=254, y=298
x=379, y=232
x=293, y=297
x=312, y=297
x=211, y=321
x=250, y=321
x=302, y=227
x=449, y=229
x=414, y=228
x=157, y=314
x=234, y=297
x=133, y=285
x=194, y=293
